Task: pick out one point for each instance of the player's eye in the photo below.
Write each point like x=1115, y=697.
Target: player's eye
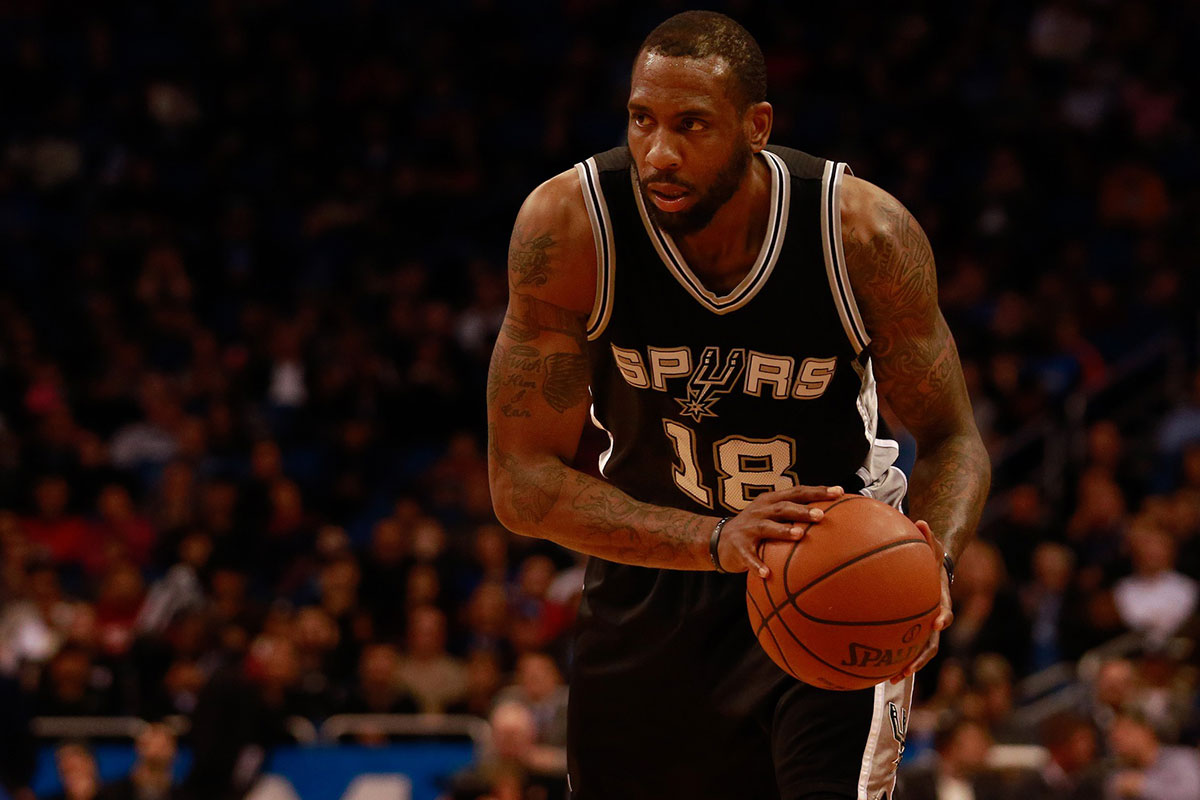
x=640, y=120
x=692, y=124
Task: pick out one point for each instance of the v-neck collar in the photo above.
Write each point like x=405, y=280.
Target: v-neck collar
x=768, y=253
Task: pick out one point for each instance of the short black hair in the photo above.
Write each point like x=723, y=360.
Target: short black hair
x=700, y=34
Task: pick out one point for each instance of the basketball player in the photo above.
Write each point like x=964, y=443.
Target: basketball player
x=726, y=310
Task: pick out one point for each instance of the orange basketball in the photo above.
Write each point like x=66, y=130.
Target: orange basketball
x=852, y=603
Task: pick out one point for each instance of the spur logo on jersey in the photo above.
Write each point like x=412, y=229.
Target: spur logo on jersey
x=710, y=380
x=713, y=375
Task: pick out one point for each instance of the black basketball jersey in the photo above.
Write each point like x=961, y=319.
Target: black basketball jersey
x=711, y=400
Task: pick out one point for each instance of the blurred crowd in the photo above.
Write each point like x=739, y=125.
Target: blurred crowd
x=251, y=263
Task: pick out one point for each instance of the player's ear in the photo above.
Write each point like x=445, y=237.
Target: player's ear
x=758, y=119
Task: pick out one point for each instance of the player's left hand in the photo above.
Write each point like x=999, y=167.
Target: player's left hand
x=940, y=622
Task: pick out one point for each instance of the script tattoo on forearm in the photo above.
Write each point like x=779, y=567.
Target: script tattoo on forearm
x=633, y=532
x=915, y=357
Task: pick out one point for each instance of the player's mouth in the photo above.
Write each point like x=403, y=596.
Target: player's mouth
x=669, y=197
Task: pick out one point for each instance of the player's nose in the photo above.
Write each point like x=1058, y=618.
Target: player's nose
x=664, y=154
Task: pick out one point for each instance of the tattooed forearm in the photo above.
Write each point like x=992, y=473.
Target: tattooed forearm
x=916, y=362
x=593, y=517
x=948, y=488
x=637, y=533
x=528, y=260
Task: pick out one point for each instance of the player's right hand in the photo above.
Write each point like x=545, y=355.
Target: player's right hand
x=783, y=515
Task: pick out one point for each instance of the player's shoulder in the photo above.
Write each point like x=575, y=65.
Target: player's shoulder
x=552, y=253
x=557, y=204
x=869, y=211
x=799, y=163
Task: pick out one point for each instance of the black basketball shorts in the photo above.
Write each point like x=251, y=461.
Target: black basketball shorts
x=672, y=697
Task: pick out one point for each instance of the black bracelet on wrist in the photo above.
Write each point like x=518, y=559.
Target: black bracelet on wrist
x=713, y=542
x=948, y=563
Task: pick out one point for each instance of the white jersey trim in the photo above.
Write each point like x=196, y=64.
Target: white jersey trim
x=835, y=257
x=768, y=254
x=607, y=454
x=606, y=254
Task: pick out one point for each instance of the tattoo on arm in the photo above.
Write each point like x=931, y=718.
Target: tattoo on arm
x=529, y=317
x=520, y=369
x=916, y=361
x=527, y=258
x=566, y=383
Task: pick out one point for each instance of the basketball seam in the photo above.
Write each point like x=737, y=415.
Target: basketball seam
x=771, y=633
x=792, y=596
x=787, y=565
x=833, y=667
x=896, y=621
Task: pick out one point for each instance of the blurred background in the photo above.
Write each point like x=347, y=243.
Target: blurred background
x=251, y=265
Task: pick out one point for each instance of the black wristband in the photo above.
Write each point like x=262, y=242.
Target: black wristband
x=948, y=564
x=713, y=542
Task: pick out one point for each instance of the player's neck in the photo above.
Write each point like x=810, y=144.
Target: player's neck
x=722, y=252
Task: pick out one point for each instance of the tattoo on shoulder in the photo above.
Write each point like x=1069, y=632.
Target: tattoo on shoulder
x=527, y=258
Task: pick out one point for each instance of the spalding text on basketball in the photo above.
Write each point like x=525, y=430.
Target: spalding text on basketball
x=862, y=655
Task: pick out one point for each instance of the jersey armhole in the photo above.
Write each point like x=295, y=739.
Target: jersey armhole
x=597, y=210
x=835, y=257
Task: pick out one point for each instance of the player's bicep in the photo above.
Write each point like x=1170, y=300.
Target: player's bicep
x=922, y=379
x=895, y=282
x=537, y=391
x=538, y=381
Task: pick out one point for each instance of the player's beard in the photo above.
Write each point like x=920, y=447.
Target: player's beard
x=681, y=223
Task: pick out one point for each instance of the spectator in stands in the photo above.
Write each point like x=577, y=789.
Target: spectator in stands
x=385, y=566
x=1149, y=770
x=53, y=528
x=33, y=626
x=512, y=759
x=152, y=775
x=120, y=532
x=379, y=690
x=956, y=774
x=76, y=772
x=540, y=688
x=1114, y=687
x=1023, y=525
x=72, y=686
x=1073, y=771
x=118, y=604
x=1106, y=452
x=319, y=690
x=488, y=623
x=1155, y=600
x=484, y=681
x=1178, y=429
x=1045, y=602
x=987, y=614
x=531, y=622
x=434, y=677
x=1096, y=530
x=992, y=683
x=338, y=582
x=241, y=714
